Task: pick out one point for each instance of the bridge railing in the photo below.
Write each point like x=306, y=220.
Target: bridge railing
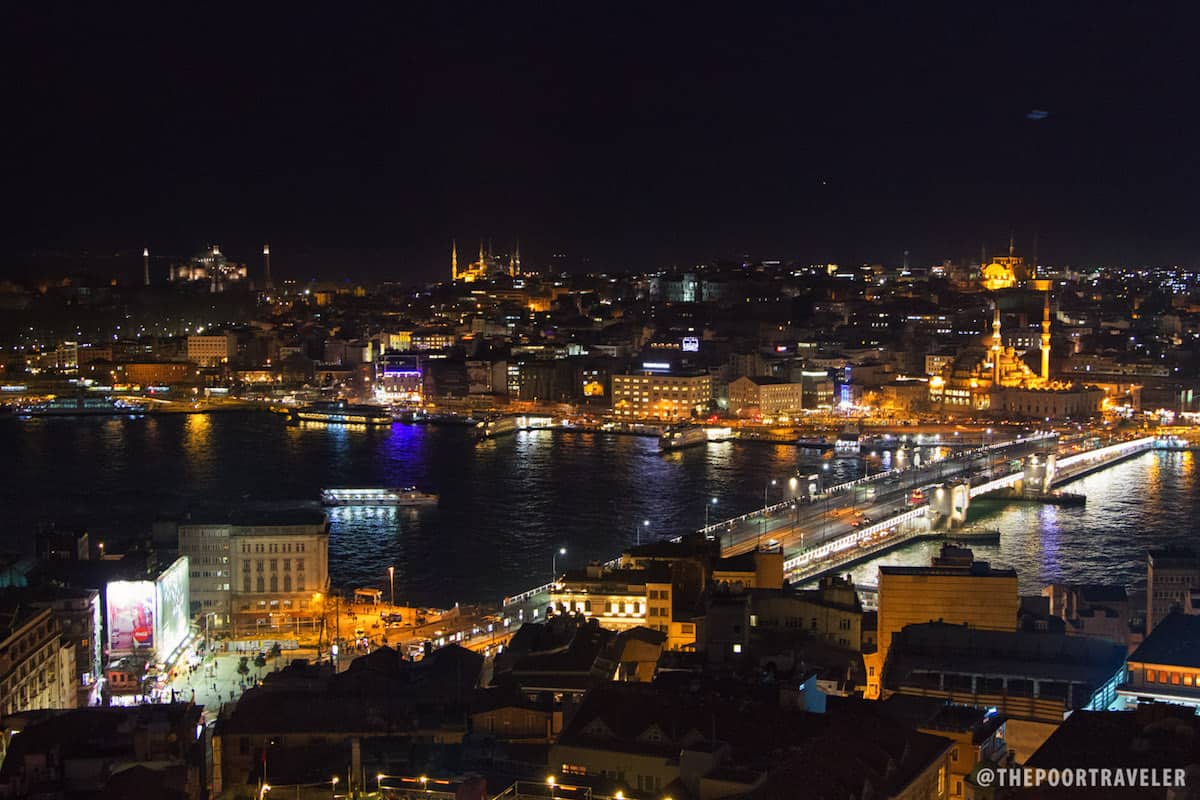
x=841, y=487
x=523, y=596
x=1132, y=445
x=853, y=538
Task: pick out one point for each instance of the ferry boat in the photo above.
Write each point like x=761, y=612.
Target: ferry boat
x=849, y=440
x=339, y=412
x=378, y=496
x=82, y=407
x=677, y=437
x=496, y=426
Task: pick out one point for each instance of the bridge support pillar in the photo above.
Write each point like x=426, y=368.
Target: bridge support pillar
x=1040, y=471
x=948, y=505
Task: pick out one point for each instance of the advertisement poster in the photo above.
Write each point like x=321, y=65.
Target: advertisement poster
x=171, y=608
x=130, y=616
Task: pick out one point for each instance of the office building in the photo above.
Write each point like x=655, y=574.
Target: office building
x=257, y=567
x=37, y=668
x=955, y=589
x=657, y=396
x=1171, y=577
x=621, y=599
x=766, y=397
x=211, y=350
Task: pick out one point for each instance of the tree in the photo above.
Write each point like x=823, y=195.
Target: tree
x=276, y=652
x=260, y=661
x=243, y=667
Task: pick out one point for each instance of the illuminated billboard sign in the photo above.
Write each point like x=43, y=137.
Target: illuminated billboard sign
x=130, y=616
x=691, y=344
x=171, y=604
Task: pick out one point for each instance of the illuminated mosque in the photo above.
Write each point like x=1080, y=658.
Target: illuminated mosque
x=980, y=369
x=486, y=267
x=1004, y=272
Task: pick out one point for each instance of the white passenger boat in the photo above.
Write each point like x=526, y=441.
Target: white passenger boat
x=378, y=496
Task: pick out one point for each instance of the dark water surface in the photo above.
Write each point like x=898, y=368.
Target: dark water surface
x=508, y=505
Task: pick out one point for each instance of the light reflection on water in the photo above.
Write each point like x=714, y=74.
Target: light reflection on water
x=508, y=504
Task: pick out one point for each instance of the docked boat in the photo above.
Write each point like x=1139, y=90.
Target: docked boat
x=374, y=496
x=496, y=426
x=82, y=407
x=849, y=440
x=339, y=412
x=677, y=437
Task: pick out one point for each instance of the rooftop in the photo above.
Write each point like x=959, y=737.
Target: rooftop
x=257, y=515
x=1175, y=641
x=942, y=647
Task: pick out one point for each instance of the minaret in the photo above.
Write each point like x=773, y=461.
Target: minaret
x=213, y=286
x=267, y=267
x=453, y=260
x=145, y=266
x=518, y=258
x=1010, y=244
x=1046, y=339
x=997, y=347
x=482, y=261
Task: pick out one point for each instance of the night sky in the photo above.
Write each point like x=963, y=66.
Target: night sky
x=626, y=136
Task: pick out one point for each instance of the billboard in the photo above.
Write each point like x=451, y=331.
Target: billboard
x=130, y=616
x=171, y=606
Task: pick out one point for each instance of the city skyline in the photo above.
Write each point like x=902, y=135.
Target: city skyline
x=365, y=144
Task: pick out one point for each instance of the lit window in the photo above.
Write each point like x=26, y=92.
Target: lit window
x=737, y=647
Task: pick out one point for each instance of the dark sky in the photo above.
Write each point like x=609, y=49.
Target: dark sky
x=630, y=135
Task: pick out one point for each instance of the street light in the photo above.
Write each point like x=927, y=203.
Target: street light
x=712, y=501
x=562, y=551
x=392, y=582
x=333, y=782
x=637, y=529
x=550, y=782
x=762, y=518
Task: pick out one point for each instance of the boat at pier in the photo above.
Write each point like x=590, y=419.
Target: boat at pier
x=82, y=407
x=375, y=496
x=497, y=426
x=339, y=412
x=677, y=437
x=849, y=440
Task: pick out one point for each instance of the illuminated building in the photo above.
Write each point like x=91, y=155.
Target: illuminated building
x=155, y=373
x=211, y=350
x=251, y=564
x=398, y=379
x=486, y=267
x=654, y=394
x=620, y=599
x=767, y=397
x=1004, y=272
x=37, y=668
x=210, y=266
x=1165, y=668
x=992, y=377
x=955, y=589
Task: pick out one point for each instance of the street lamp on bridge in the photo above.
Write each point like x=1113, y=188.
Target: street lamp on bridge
x=562, y=551
x=712, y=501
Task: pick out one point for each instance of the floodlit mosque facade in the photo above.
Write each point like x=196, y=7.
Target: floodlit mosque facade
x=988, y=376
